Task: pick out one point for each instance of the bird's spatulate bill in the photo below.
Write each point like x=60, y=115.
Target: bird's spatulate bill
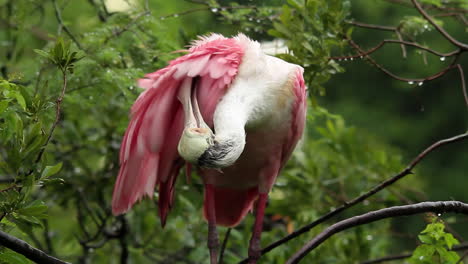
x=197, y=136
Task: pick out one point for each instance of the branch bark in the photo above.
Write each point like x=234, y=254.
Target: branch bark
x=436, y=207
x=25, y=249
x=442, y=31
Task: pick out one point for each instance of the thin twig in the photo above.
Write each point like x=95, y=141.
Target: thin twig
x=442, y=31
x=207, y=8
x=371, y=192
x=420, y=81
x=371, y=26
x=127, y=27
x=404, y=210
x=27, y=250
x=462, y=78
x=58, y=104
x=462, y=257
x=223, y=246
x=407, y=43
x=67, y=30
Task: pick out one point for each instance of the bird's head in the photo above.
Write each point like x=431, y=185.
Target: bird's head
x=194, y=142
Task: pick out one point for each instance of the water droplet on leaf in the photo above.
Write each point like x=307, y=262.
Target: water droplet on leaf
x=410, y=82
x=442, y=58
x=420, y=83
x=214, y=9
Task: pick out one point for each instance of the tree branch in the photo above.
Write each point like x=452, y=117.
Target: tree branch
x=127, y=27
x=374, y=190
x=371, y=26
x=420, y=81
x=436, y=207
x=27, y=250
x=407, y=43
x=57, y=115
x=439, y=28
x=223, y=246
x=462, y=78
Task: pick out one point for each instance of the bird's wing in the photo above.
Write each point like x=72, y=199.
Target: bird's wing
x=298, y=117
x=148, y=154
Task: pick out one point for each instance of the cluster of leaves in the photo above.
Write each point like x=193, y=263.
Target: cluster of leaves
x=22, y=140
x=436, y=246
x=320, y=24
x=414, y=26
x=61, y=56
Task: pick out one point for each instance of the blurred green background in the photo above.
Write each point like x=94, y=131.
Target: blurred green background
x=363, y=126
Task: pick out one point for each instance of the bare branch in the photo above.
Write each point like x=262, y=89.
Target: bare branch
x=206, y=8
x=128, y=26
x=27, y=250
x=359, y=199
x=442, y=31
x=372, y=26
x=58, y=104
x=420, y=81
x=404, y=210
x=407, y=43
x=462, y=78
x=223, y=246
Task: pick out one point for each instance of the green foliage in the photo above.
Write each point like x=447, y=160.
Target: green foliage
x=436, y=247
x=10, y=257
x=414, y=26
x=57, y=192
x=437, y=3
x=311, y=30
x=61, y=55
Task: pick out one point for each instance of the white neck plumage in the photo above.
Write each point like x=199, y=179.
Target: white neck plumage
x=198, y=144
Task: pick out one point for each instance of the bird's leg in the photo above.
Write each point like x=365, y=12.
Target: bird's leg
x=254, y=247
x=213, y=243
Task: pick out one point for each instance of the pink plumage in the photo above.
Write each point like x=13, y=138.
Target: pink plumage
x=148, y=154
x=223, y=71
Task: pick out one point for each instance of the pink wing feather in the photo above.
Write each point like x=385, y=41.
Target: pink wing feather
x=148, y=154
x=298, y=117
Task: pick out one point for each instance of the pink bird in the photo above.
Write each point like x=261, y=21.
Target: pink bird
x=226, y=108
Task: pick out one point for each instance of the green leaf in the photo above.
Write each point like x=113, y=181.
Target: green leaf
x=44, y=54
x=3, y=106
x=450, y=240
x=437, y=3
x=51, y=170
x=11, y=257
x=36, y=209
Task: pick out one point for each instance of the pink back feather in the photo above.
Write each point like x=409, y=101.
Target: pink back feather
x=148, y=154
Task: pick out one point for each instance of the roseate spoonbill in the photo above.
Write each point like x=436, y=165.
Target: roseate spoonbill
x=226, y=108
